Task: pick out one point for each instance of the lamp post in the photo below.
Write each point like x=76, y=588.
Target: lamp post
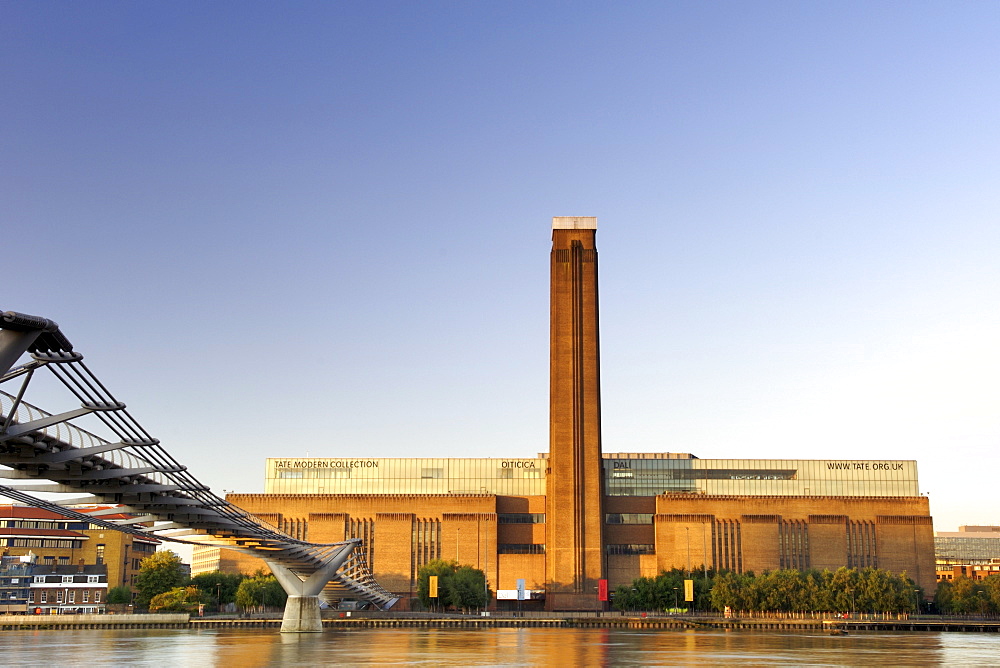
x=916, y=601
x=218, y=594
x=675, y=601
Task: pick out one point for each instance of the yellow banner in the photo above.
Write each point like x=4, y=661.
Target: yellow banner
x=689, y=590
x=433, y=586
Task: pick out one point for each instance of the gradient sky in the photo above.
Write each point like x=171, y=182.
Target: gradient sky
x=322, y=229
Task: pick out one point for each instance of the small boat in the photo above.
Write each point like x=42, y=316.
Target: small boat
x=839, y=632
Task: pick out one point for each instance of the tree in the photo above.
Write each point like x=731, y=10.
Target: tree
x=260, y=592
x=158, y=573
x=468, y=588
x=658, y=593
x=444, y=570
x=790, y=590
x=991, y=585
x=220, y=587
x=844, y=586
x=121, y=595
x=733, y=590
x=178, y=599
x=965, y=596
x=818, y=588
x=458, y=585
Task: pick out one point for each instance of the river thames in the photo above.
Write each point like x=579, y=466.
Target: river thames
x=494, y=647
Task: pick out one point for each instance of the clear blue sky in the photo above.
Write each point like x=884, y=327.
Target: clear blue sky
x=320, y=228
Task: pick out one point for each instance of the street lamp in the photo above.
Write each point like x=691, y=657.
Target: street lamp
x=916, y=601
x=218, y=595
x=675, y=600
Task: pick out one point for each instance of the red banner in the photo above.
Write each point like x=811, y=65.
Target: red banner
x=602, y=590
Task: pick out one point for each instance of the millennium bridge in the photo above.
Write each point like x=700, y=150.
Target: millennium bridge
x=49, y=454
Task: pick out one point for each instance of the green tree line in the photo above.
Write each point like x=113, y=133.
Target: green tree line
x=459, y=587
x=163, y=586
x=844, y=590
x=965, y=596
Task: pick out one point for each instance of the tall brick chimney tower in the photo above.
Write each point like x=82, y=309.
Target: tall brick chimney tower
x=574, y=517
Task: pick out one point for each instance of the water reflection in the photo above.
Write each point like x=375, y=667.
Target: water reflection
x=494, y=647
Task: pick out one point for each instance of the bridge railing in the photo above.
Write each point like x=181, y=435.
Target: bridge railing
x=66, y=432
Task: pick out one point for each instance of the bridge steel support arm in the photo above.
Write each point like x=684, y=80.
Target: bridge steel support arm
x=302, y=609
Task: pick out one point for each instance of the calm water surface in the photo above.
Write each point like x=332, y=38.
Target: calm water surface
x=493, y=647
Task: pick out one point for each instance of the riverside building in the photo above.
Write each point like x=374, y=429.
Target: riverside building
x=972, y=551
x=574, y=519
x=54, y=540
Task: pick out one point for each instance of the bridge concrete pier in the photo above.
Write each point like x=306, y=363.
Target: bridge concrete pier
x=302, y=615
x=302, y=609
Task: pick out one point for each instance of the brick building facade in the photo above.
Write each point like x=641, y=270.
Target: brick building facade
x=575, y=516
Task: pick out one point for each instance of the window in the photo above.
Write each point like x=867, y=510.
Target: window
x=28, y=542
x=521, y=518
x=93, y=578
x=31, y=596
x=97, y=596
x=100, y=554
x=431, y=473
x=72, y=596
x=631, y=549
x=59, y=596
x=39, y=578
x=67, y=578
x=505, y=474
x=628, y=518
x=45, y=597
x=521, y=548
x=86, y=596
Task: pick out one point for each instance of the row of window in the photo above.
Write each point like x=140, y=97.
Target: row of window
x=520, y=518
x=609, y=518
x=42, y=524
x=521, y=548
x=967, y=549
x=66, y=579
x=628, y=518
x=425, y=474
x=707, y=474
x=41, y=542
x=47, y=560
x=65, y=596
x=536, y=548
x=630, y=548
x=298, y=474
x=54, y=579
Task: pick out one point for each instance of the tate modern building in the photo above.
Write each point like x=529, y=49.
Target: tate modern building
x=569, y=518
